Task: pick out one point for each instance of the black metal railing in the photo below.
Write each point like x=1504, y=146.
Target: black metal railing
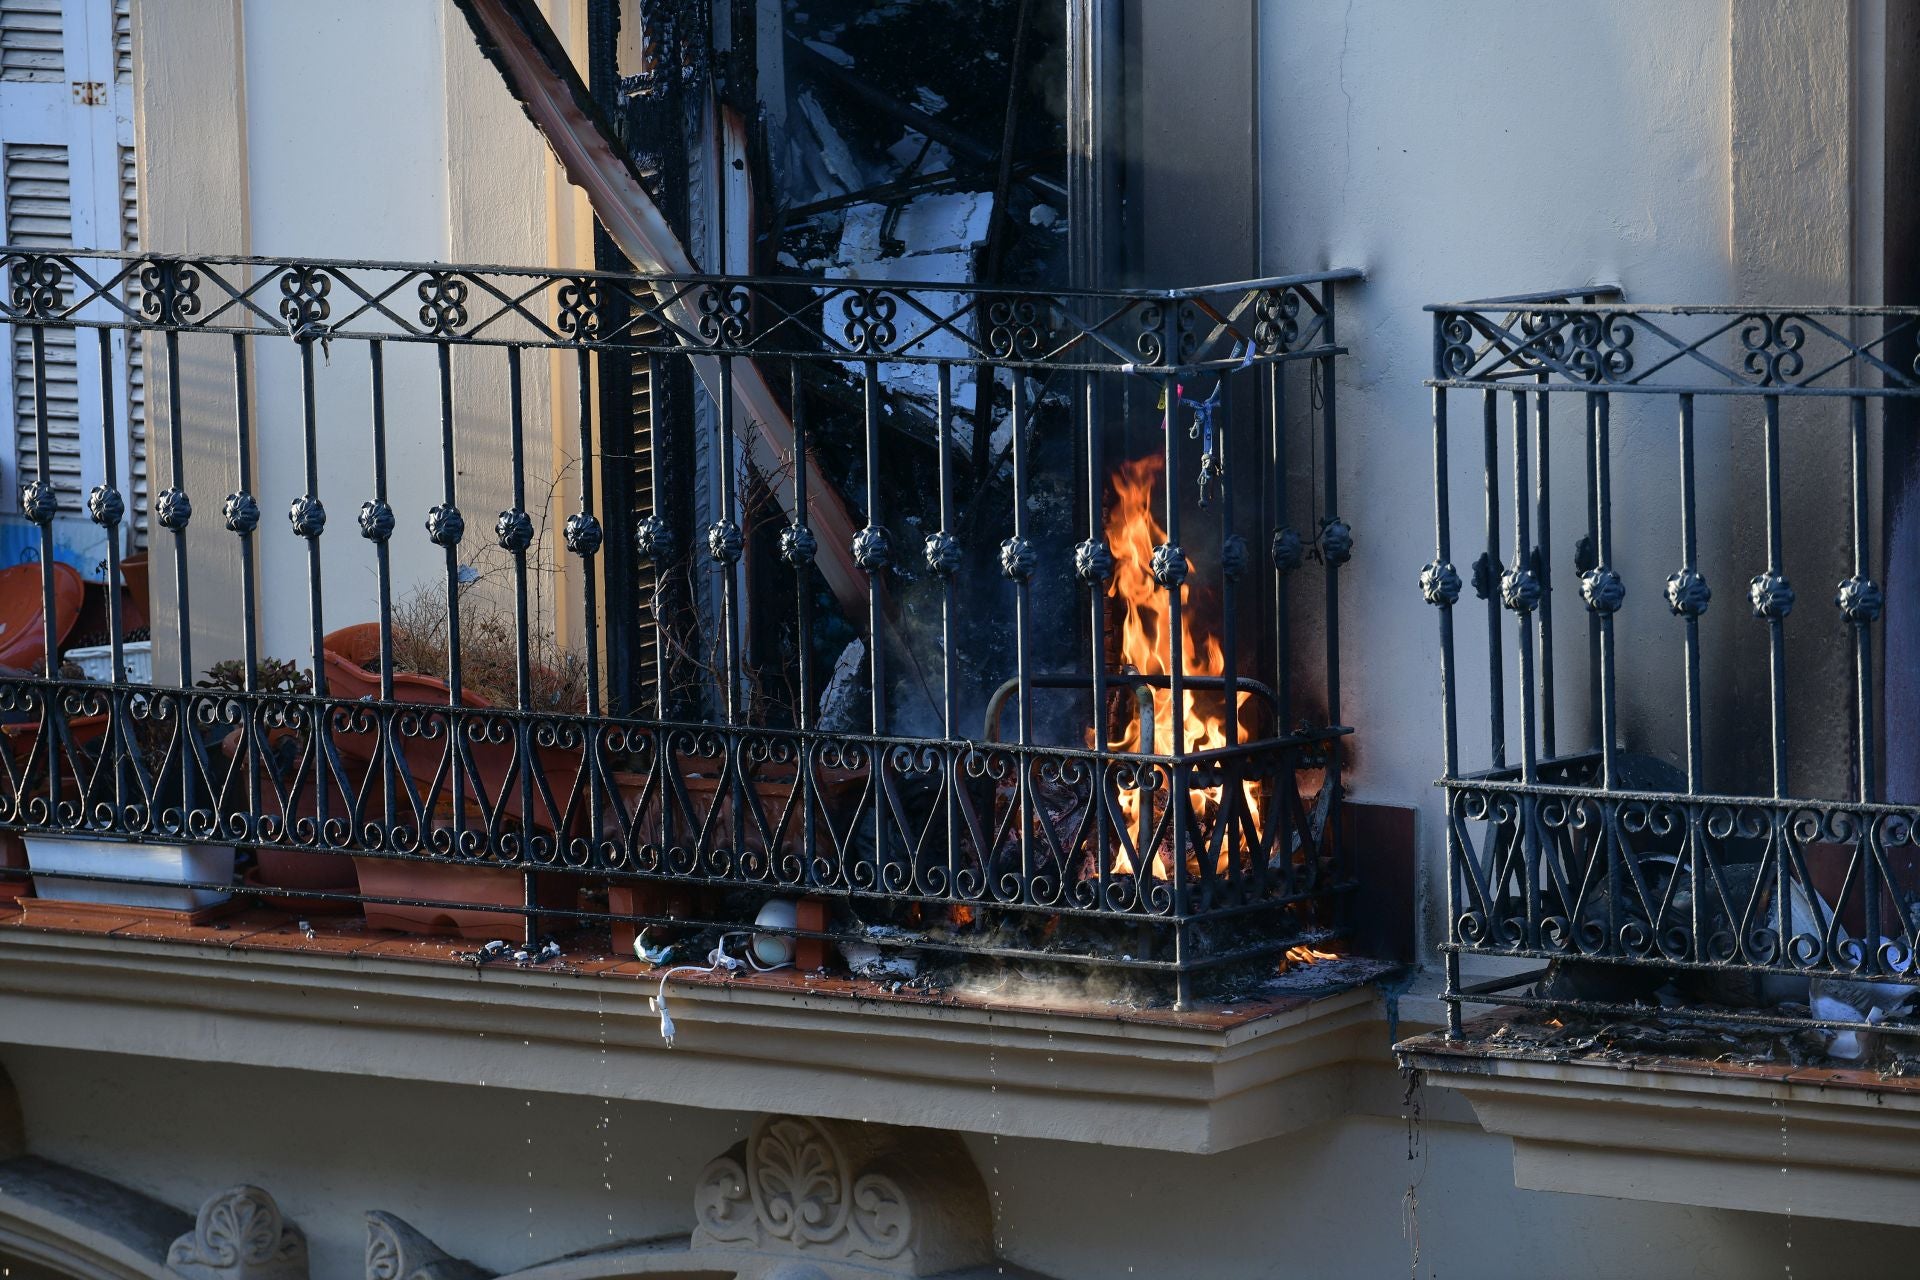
x=1692, y=818
x=944, y=556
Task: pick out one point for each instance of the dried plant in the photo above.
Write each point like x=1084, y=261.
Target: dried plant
x=489, y=651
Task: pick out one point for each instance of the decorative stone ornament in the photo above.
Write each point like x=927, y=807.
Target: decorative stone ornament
x=240, y=1235
x=849, y=1199
x=395, y=1251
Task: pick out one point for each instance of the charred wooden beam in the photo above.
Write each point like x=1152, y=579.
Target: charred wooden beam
x=515, y=37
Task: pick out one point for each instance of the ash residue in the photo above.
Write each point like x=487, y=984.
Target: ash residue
x=1567, y=1036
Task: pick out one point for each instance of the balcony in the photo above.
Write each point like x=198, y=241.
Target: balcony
x=1013, y=675
x=1672, y=864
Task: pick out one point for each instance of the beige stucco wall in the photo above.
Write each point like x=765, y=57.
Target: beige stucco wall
x=408, y=148
x=507, y=1179
x=1696, y=152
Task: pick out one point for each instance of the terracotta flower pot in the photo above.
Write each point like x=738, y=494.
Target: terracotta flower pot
x=13, y=857
x=482, y=903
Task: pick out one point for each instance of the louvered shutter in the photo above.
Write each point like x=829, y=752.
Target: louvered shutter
x=136, y=388
x=30, y=41
x=39, y=215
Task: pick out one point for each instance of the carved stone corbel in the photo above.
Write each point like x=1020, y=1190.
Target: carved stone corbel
x=240, y=1235
x=395, y=1251
x=874, y=1197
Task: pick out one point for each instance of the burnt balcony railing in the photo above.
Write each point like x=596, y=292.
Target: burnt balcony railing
x=1007, y=663
x=1669, y=810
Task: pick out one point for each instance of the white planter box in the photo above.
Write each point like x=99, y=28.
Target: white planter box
x=96, y=661
x=159, y=870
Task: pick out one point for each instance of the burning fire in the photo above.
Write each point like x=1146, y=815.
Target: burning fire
x=1145, y=630
x=1305, y=956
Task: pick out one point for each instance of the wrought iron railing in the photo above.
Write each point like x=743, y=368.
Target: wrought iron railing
x=945, y=554
x=1654, y=829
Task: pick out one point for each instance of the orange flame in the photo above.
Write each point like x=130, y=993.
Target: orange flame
x=1133, y=532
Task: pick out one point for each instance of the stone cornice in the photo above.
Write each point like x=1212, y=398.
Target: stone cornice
x=1824, y=1143
x=1193, y=1083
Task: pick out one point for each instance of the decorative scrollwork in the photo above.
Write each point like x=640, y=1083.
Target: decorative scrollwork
x=868, y=320
x=1456, y=358
x=37, y=287
x=1276, y=321
x=578, y=311
x=723, y=312
x=303, y=300
x=1773, y=344
x=443, y=303
x=240, y=1235
x=1599, y=347
x=1017, y=327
